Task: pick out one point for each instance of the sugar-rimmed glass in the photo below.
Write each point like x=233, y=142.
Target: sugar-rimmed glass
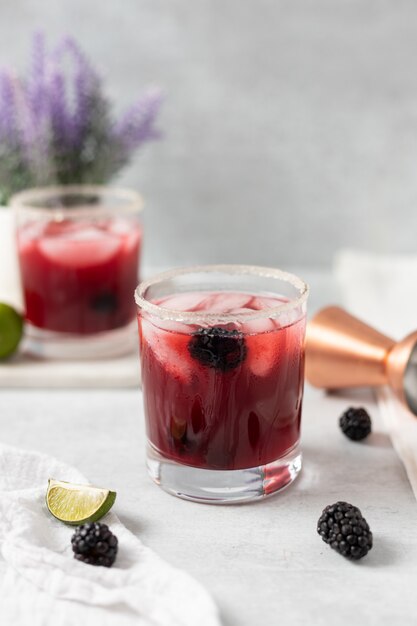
x=78, y=249
x=222, y=358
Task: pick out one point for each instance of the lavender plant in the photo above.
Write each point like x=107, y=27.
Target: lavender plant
x=58, y=127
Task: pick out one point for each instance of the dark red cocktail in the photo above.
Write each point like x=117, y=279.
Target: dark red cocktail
x=224, y=395
x=78, y=277
x=79, y=249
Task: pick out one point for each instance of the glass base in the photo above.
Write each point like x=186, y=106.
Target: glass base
x=223, y=486
x=53, y=345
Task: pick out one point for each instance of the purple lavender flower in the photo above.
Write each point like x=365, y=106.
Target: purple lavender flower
x=57, y=125
x=81, y=113
x=137, y=124
x=58, y=108
x=85, y=87
x=7, y=108
x=36, y=81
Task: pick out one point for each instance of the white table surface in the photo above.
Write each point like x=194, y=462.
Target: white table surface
x=264, y=563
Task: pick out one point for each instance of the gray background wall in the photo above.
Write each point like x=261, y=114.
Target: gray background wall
x=291, y=125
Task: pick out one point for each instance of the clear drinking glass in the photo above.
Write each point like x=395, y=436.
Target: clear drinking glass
x=78, y=249
x=222, y=359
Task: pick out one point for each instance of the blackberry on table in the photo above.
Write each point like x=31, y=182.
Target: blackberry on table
x=355, y=423
x=218, y=348
x=94, y=544
x=343, y=527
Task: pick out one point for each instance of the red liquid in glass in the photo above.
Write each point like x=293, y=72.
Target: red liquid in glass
x=79, y=277
x=208, y=418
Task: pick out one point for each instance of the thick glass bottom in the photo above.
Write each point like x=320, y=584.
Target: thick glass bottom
x=223, y=486
x=53, y=345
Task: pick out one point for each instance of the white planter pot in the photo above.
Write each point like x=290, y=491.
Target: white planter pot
x=10, y=286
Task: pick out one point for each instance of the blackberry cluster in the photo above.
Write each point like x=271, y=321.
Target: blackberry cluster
x=342, y=526
x=94, y=544
x=218, y=348
x=355, y=423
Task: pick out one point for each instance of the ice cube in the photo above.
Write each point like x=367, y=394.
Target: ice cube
x=65, y=228
x=80, y=248
x=28, y=234
x=260, y=325
x=259, y=303
x=127, y=231
x=81, y=232
x=189, y=301
x=133, y=239
x=170, y=349
x=264, y=351
x=174, y=326
x=206, y=302
x=224, y=302
x=119, y=227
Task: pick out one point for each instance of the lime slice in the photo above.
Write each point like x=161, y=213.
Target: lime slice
x=78, y=504
x=11, y=330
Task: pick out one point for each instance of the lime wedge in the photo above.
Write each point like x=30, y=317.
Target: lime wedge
x=11, y=330
x=78, y=504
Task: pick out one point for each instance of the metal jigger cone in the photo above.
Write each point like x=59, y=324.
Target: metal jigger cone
x=342, y=351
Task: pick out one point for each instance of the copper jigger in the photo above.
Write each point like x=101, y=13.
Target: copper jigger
x=342, y=351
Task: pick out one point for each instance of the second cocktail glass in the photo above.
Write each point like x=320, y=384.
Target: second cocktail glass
x=222, y=357
x=78, y=249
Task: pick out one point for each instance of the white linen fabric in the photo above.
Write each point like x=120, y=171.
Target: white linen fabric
x=380, y=289
x=43, y=584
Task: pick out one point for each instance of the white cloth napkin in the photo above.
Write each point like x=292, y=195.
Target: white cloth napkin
x=380, y=289
x=43, y=584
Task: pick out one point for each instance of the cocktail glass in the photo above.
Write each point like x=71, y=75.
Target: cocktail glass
x=78, y=249
x=222, y=359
